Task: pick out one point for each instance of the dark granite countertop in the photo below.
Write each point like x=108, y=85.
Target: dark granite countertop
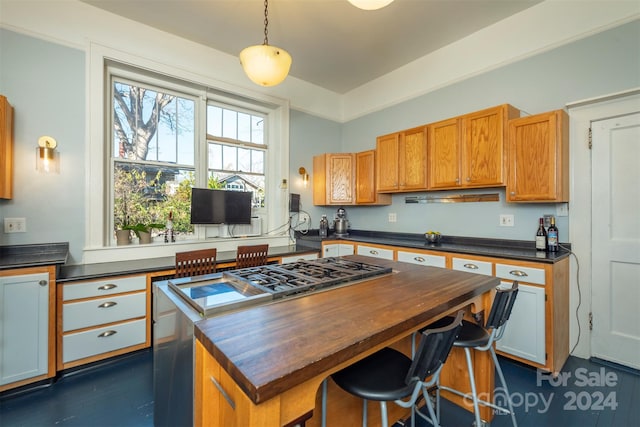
x=511, y=249
x=34, y=255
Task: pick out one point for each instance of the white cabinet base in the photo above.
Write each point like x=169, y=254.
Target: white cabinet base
x=524, y=335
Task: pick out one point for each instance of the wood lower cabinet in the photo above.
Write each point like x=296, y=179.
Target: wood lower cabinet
x=102, y=318
x=537, y=332
x=470, y=150
x=402, y=164
x=27, y=332
x=6, y=149
x=539, y=158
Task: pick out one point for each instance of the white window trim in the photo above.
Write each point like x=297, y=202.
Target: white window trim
x=97, y=247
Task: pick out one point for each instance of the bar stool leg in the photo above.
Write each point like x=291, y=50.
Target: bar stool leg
x=383, y=413
x=476, y=409
x=504, y=384
x=323, y=421
x=364, y=412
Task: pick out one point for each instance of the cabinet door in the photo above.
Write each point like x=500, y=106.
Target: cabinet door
x=444, y=154
x=539, y=158
x=340, y=184
x=24, y=316
x=366, y=177
x=483, y=151
x=6, y=149
x=345, y=249
x=387, y=148
x=331, y=250
x=413, y=159
x=524, y=335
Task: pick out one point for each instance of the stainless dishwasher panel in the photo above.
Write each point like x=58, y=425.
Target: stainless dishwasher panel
x=173, y=358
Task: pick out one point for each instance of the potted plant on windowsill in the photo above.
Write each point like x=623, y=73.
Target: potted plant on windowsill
x=143, y=231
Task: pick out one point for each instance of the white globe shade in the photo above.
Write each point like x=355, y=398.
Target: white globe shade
x=370, y=4
x=265, y=65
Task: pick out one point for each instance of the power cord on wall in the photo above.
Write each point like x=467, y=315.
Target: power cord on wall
x=579, y=295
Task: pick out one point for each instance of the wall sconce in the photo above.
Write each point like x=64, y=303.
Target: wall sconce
x=47, y=160
x=305, y=176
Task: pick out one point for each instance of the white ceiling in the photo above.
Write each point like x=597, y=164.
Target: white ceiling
x=333, y=44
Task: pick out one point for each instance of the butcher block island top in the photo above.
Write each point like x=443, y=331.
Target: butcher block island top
x=271, y=349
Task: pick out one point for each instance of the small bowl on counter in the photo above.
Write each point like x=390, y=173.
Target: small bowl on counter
x=433, y=237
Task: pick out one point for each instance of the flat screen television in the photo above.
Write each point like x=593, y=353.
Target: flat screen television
x=207, y=206
x=220, y=207
x=237, y=209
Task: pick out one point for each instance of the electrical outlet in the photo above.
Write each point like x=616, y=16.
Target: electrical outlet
x=15, y=225
x=506, y=220
x=393, y=217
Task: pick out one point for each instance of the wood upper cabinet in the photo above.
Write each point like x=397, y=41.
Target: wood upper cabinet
x=334, y=179
x=539, y=158
x=6, y=149
x=470, y=150
x=402, y=164
x=366, y=180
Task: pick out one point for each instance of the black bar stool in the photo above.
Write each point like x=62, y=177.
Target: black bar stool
x=476, y=337
x=390, y=376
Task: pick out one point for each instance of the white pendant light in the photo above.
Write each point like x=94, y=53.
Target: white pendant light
x=265, y=65
x=370, y=4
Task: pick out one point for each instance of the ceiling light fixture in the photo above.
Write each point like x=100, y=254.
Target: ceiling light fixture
x=265, y=65
x=370, y=4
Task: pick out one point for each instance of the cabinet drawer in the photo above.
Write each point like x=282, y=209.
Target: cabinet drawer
x=76, y=315
x=422, y=259
x=472, y=266
x=295, y=258
x=103, y=340
x=524, y=274
x=97, y=288
x=375, y=252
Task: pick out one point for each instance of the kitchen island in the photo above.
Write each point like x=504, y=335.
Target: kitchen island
x=264, y=366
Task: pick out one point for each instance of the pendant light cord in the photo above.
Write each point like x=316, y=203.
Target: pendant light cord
x=266, y=22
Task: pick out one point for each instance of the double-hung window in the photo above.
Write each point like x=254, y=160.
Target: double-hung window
x=166, y=139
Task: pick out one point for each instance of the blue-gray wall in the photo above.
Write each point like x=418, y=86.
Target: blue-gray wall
x=45, y=82
x=605, y=63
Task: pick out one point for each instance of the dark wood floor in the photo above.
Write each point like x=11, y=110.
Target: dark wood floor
x=120, y=394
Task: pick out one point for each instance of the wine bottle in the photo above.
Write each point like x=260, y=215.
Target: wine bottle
x=541, y=237
x=552, y=236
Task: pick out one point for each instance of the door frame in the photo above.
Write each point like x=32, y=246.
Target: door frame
x=581, y=114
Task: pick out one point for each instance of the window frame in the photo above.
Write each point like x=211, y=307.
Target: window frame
x=99, y=178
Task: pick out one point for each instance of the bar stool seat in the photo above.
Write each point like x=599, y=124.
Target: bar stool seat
x=388, y=375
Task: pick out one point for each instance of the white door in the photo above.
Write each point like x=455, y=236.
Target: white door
x=616, y=240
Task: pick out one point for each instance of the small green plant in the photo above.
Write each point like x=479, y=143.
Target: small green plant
x=145, y=228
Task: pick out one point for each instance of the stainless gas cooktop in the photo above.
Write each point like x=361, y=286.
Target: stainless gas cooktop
x=235, y=289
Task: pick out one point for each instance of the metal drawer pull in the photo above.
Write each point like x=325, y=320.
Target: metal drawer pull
x=518, y=273
x=107, y=334
x=471, y=266
x=372, y=252
x=223, y=393
x=107, y=304
x=43, y=283
x=419, y=259
x=107, y=287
